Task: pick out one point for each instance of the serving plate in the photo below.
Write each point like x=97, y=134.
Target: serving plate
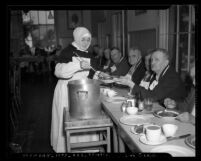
x=190, y=141
x=165, y=113
x=135, y=119
x=174, y=150
x=106, y=81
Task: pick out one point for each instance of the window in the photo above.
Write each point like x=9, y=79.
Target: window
x=181, y=36
x=117, y=30
x=41, y=25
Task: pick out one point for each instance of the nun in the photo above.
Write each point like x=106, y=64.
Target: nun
x=73, y=64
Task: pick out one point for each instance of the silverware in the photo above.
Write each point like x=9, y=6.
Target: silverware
x=177, y=137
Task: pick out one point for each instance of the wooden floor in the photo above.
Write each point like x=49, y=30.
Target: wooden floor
x=37, y=93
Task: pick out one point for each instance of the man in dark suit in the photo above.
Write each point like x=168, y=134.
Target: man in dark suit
x=119, y=65
x=187, y=107
x=165, y=83
x=137, y=70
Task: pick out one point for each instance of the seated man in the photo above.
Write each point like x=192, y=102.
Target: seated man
x=149, y=73
x=137, y=71
x=97, y=56
x=165, y=83
x=188, y=105
x=106, y=58
x=119, y=65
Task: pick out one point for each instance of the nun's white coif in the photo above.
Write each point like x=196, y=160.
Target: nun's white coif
x=78, y=34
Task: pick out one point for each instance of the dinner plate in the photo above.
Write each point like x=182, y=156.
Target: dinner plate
x=135, y=119
x=115, y=99
x=166, y=113
x=174, y=150
x=190, y=141
x=144, y=140
x=107, y=81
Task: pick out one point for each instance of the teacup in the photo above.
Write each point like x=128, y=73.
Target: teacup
x=169, y=129
x=153, y=133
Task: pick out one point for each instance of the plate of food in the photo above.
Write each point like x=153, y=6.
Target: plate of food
x=166, y=113
x=139, y=129
x=190, y=141
x=107, y=79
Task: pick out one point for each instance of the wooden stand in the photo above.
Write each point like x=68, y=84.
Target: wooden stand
x=101, y=124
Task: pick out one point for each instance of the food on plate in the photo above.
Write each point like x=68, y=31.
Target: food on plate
x=167, y=113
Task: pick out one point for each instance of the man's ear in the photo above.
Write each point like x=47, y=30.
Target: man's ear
x=167, y=62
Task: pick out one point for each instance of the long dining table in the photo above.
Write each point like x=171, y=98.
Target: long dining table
x=123, y=135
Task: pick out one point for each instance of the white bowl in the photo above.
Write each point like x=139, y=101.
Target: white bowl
x=132, y=110
x=169, y=129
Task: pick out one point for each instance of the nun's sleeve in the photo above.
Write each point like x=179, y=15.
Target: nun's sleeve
x=66, y=70
x=65, y=67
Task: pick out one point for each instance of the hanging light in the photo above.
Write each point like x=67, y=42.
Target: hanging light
x=50, y=16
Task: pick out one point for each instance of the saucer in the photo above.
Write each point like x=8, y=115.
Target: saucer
x=144, y=140
x=190, y=141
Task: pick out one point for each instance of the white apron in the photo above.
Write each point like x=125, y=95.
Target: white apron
x=60, y=100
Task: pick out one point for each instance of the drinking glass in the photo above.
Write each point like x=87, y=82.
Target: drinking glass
x=148, y=104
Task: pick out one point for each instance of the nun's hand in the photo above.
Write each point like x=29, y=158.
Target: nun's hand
x=84, y=65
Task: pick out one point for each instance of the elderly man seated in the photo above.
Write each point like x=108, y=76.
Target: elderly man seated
x=149, y=73
x=119, y=65
x=137, y=70
x=188, y=105
x=165, y=83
